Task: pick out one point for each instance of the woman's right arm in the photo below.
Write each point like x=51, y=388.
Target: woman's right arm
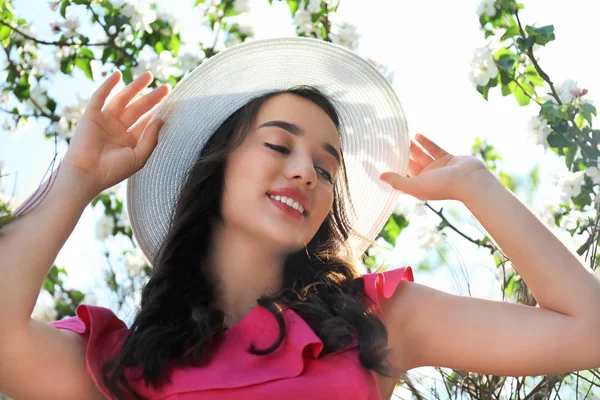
x=37, y=360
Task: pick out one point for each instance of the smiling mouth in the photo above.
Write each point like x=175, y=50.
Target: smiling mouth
x=283, y=206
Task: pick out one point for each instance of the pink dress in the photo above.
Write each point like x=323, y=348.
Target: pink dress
x=292, y=372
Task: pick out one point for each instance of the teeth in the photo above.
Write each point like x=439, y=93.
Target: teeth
x=286, y=200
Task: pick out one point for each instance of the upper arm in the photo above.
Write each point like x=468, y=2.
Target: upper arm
x=428, y=327
x=43, y=362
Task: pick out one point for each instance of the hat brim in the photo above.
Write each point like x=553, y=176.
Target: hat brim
x=373, y=128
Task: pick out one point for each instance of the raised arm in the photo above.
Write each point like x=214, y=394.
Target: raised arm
x=36, y=359
x=493, y=337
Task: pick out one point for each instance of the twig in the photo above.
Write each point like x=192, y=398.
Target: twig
x=491, y=247
x=525, y=91
x=61, y=43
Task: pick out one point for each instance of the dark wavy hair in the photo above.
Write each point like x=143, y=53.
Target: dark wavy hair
x=178, y=320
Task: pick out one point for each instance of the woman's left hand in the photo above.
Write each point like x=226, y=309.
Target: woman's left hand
x=435, y=174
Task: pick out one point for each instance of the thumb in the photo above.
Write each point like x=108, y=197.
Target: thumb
x=147, y=143
x=404, y=184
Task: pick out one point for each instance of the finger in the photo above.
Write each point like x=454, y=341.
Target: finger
x=412, y=186
x=414, y=168
x=138, y=128
x=419, y=155
x=117, y=104
x=141, y=106
x=99, y=97
x=432, y=148
x=147, y=143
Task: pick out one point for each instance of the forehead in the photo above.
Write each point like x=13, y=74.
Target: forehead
x=297, y=110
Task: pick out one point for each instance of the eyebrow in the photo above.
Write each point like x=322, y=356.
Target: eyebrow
x=296, y=130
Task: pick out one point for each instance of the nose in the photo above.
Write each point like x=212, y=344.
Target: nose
x=301, y=170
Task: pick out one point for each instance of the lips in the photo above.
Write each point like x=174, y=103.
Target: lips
x=293, y=194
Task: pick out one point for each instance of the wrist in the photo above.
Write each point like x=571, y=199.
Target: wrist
x=475, y=185
x=77, y=182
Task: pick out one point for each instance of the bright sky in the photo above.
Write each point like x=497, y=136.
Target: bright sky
x=429, y=44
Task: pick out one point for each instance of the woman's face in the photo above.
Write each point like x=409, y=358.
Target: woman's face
x=289, y=152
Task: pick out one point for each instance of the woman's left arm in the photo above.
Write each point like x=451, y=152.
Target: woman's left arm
x=486, y=336
x=553, y=273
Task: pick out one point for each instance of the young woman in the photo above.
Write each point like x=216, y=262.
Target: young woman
x=276, y=165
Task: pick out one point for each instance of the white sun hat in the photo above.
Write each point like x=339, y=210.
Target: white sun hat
x=373, y=129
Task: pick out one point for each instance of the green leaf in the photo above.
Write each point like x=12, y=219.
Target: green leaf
x=506, y=62
x=77, y=296
x=542, y=35
x=63, y=8
x=570, y=153
x=484, y=90
x=508, y=88
x=5, y=32
x=511, y=32
x=198, y=2
x=559, y=141
x=393, y=227
x=533, y=76
x=587, y=110
x=84, y=52
x=293, y=6
x=520, y=95
x=127, y=76
x=85, y=65
x=174, y=44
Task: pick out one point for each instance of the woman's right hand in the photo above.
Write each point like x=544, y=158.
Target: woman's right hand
x=106, y=145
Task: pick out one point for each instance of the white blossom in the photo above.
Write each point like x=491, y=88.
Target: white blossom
x=487, y=7
x=245, y=29
x=170, y=19
x=343, y=33
x=44, y=310
x=569, y=185
x=53, y=5
x=428, y=237
x=303, y=22
x=410, y=206
x=90, y=299
x=569, y=221
x=104, y=227
x=483, y=67
x=540, y=129
x=314, y=6
x=241, y=6
x=10, y=202
x=134, y=262
x=232, y=40
x=125, y=35
x=71, y=23
x=27, y=30
x=569, y=91
x=190, y=61
x=494, y=42
x=385, y=70
x=72, y=114
x=38, y=95
x=120, y=3
x=141, y=16
x=594, y=174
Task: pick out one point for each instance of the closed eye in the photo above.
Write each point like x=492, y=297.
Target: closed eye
x=280, y=149
x=285, y=150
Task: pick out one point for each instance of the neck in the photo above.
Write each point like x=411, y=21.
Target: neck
x=242, y=269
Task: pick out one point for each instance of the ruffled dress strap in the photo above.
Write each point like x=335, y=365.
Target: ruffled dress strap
x=378, y=285
x=105, y=333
